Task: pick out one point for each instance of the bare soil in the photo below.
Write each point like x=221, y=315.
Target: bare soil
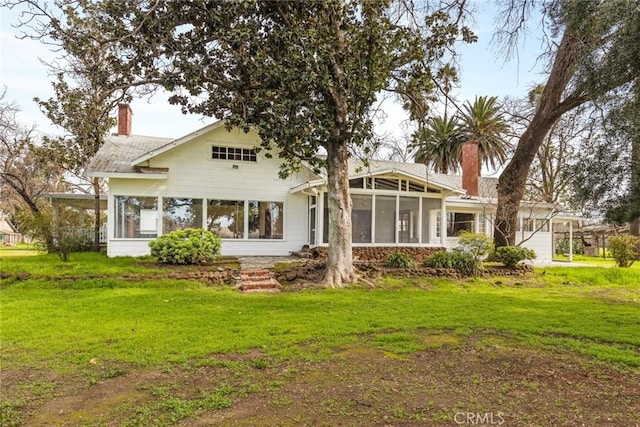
x=480, y=379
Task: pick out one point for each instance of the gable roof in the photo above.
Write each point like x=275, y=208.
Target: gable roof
x=117, y=154
x=487, y=186
x=176, y=142
x=416, y=171
x=121, y=153
x=6, y=227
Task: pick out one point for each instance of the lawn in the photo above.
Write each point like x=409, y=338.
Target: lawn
x=19, y=250
x=91, y=350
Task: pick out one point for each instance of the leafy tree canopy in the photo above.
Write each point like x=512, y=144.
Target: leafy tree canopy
x=304, y=75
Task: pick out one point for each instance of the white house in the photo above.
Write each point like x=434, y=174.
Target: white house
x=214, y=178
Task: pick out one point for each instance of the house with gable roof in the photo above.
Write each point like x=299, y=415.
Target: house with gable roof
x=215, y=179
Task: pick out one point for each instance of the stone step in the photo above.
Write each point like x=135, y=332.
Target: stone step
x=258, y=280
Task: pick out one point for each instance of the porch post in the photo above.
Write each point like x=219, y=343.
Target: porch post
x=396, y=237
x=319, y=218
x=443, y=220
x=570, y=241
x=419, y=220
x=204, y=209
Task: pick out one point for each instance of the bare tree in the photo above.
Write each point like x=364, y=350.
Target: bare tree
x=24, y=175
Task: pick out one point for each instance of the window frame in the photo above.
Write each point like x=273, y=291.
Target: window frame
x=234, y=154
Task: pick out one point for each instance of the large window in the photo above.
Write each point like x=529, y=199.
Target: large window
x=178, y=214
x=265, y=220
x=136, y=217
x=458, y=222
x=226, y=218
x=542, y=225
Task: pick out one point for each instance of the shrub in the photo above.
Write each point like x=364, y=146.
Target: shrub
x=460, y=261
x=440, y=259
x=624, y=249
x=512, y=255
x=188, y=246
x=61, y=236
x=399, y=260
x=466, y=264
x=477, y=245
x=562, y=246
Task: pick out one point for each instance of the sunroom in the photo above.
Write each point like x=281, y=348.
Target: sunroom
x=389, y=208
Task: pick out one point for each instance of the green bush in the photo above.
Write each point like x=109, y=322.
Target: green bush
x=60, y=234
x=477, y=245
x=512, y=255
x=466, y=264
x=399, y=260
x=188, y=246
x=624, y=249
x=440, y=259
x=460, y=261
x=562, y=246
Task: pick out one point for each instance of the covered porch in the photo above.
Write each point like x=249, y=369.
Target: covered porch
x=84, y=204
x=389, y=208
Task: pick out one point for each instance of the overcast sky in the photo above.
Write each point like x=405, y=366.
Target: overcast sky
x=483, y=72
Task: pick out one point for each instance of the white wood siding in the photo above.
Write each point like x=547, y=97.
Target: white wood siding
x=541, y=243
x=193, y=174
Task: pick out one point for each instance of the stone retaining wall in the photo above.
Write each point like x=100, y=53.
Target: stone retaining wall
x=380, y=253
x=312, y=271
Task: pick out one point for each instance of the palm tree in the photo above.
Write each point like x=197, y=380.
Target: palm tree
x=439, y=144
x=482, y=121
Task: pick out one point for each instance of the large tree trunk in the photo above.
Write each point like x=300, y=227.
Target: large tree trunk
x=634, y=220
x=339, y=260
x=96, y=219
x=512, y=182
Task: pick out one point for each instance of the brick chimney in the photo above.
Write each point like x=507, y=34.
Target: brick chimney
x=470, y=167
x=125, y=117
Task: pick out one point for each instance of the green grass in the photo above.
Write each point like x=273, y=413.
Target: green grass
x=66, y=323
x=87, y=264
x=19, y=250
x=593, y=261
x=81, y=263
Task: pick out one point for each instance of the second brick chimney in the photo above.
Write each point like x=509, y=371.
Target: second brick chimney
x=125, y=117
x=470, y=167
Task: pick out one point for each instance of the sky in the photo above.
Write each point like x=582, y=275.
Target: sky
x=482, y=72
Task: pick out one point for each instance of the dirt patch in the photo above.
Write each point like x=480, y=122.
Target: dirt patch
x=481, y=379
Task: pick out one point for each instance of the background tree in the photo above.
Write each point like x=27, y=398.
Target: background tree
x=550, y=177
x=605, y=178
x=88, y=86
x=303, y=74
x=438, y=144
x=594, y=50
x=484, y=122
x=24, y=176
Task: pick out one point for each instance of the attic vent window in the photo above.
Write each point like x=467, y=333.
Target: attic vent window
x=231, y=153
